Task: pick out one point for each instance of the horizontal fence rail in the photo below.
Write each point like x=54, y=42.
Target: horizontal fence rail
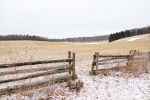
x=20, y=88
x=60, y=70
x=102, y=63
x=69, y=67
x=33, y=70
x=34, y=63
x=117, y=56
x=110, y=59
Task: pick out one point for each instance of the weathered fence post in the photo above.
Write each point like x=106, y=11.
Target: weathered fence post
x=149, y=53
x=73, y=67
x=92, y=72
x=69, y=56
x=97, y=56
x=93, y=63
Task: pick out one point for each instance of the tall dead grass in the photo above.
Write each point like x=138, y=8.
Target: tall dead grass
x=138, y=63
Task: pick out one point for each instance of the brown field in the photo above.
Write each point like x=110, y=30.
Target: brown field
x=38, y=50
x=21, y=51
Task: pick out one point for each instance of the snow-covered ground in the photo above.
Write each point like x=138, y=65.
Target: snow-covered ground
x=116, y=86
x=134, y=38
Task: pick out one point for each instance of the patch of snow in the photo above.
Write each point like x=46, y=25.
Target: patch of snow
x=133, y=38
x=100, y=42
x=114, y=88
x=95, y=88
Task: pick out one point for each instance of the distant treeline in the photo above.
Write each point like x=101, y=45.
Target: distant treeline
x=22, y=37
x=27, y=37
x=38, y=38
x=129, y=33
x=112, y=37
x=88, y=39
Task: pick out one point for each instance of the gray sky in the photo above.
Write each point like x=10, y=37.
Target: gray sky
x=72, y=18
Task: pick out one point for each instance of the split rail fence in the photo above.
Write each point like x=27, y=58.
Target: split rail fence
x=112, y=59
x=68, y=67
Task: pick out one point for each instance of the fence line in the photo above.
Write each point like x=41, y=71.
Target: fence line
x=97, y=61
x=69, y=67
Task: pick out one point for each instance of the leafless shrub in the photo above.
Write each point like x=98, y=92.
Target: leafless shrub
x=55, y=93
x=75, y=85
x=105, y=73
x=138, y=63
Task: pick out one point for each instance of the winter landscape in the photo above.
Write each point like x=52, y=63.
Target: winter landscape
x=74, y=50
x=116, y=85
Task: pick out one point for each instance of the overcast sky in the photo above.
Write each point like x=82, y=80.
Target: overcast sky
x=72, y=18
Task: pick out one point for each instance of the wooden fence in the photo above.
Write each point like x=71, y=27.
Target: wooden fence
x=111, y=59
x=99, y=60
x=69, y=67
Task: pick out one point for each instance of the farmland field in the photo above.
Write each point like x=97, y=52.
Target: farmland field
x=94, y=86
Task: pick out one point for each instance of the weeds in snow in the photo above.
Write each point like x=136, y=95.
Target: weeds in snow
x=75, y=85
x=137, y=63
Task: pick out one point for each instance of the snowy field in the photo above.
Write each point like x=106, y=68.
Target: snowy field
x=115, y=86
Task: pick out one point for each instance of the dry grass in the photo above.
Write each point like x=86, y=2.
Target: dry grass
x=138, y=63
x=75, y=85
x=46, y=50
x=20, y=51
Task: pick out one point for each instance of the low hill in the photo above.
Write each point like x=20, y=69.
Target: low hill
x=38, y=38
x=143, y=37
x=129, y=33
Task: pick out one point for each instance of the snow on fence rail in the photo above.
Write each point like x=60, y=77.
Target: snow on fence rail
x=69, y=67
x=111, y=59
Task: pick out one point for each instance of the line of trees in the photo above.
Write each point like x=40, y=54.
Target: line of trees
x=129, y=33
x=112, y=37
x=22, y=37
x=88, y=39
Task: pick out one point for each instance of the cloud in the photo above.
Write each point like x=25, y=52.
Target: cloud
x=72, y=18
